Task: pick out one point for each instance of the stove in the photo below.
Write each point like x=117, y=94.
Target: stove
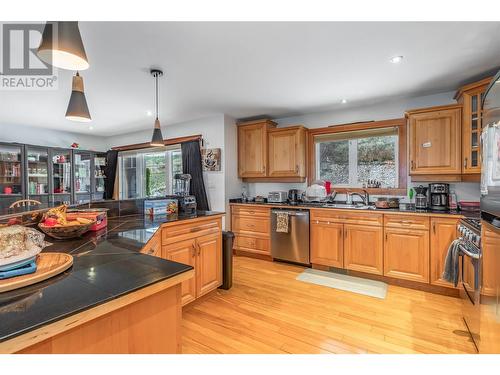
x=470, y=231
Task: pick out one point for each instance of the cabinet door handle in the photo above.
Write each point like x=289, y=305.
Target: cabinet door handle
x=386, y=237
x=434, y=227
x=199, y=248
x=465, y=163
x=195, y=229
x=193, y=249
x=297, y=168
x=405, y=222
x=412, y=165
x=151, y=251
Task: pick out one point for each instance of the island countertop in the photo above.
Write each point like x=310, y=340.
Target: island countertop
x=107, y=264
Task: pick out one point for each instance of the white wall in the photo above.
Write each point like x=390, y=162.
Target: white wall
x=233, y=184
x=50, y=138
x=212, y=131
x=377, y=111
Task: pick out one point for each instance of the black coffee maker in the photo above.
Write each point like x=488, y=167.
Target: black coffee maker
x=439, y=196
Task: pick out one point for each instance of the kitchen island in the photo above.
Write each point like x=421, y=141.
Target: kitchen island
x=120, y=296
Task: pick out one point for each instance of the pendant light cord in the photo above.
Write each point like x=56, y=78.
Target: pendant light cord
x=157, y=94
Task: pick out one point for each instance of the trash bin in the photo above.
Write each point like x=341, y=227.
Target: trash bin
x=227, y=260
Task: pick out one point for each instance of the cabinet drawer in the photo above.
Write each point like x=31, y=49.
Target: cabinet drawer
x=253, y=244
x=181, y=232
x=251, y=225
x=359, y=218
x=250, y=211
x=402, y=221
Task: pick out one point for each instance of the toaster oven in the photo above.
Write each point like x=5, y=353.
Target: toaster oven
x=277, y=197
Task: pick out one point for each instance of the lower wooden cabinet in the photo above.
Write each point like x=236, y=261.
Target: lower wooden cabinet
x=491, y=258
x=364, y=248
x=205, y=255
x=184, y=252
x=251, y=226
x=443, y=232
x=406, y=254
x=208, y=267
x=327, y=244
x=153, y=247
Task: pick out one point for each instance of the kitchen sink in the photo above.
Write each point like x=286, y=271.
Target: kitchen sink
x=351, y=206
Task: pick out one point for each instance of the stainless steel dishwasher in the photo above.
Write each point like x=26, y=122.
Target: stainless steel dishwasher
x=291, y=246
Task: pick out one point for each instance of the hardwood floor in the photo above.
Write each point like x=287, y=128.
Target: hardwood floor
x=268, y=311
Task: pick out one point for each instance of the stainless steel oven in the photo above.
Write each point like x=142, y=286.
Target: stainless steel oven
x=470, y=275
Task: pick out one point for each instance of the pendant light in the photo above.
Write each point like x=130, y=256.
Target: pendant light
x=62, y=46
x=77, y=107
x=157, y=139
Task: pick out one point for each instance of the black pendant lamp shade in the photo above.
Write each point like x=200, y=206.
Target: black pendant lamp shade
x=77, y=107
x=157, y=139
x=62, y=46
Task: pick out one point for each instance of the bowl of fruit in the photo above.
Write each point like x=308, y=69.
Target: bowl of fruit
x=56, y=224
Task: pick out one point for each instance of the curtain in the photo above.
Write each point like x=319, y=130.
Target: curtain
x=191, y=164
x=110, y=173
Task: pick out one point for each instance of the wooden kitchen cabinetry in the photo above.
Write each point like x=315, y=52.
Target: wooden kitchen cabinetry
x=406, y=254
x=287, y=152
x=363, y=249
x=435, y=141
x=153, y=247
x=198, y=244
x=443, y=232
x=266, y=153
x=327, y=243
x=470, y=97
x=252, y=148
x=251, y=226
x=490, y=238
x=349, y=240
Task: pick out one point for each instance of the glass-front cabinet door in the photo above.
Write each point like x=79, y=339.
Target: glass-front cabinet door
x=99, y=176
x=61, y=176
x=11, y=174
x=37, y=174
x=82, y=162
x=470, y=97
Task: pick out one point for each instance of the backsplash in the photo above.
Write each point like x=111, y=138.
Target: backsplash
x=466, y=191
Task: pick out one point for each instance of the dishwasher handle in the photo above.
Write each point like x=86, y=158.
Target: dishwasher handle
x=291, y=213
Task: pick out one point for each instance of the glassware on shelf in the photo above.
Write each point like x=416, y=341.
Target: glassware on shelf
x=61, y=173
x=38, y=176
x=10, y=170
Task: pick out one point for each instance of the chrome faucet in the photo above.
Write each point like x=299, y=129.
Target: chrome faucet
x=365, y=197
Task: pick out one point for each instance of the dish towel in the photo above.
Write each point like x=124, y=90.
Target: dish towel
x=451, y=264
x=282, y=222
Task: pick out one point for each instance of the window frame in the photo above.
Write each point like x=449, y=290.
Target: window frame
x=140, y=169
x=401, y=126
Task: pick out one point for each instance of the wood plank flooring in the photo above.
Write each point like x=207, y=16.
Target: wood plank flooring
x=268, y=311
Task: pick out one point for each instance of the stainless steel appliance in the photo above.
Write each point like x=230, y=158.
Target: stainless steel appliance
x=294, y=196
x=470, y=275
x=421, y=197
x=182, y=185
x=292, y=245
x=277, y=197
x=439, y=196
x=490, y=215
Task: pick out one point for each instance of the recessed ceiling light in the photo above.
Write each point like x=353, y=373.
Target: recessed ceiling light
x=149, y=113
x=396, y=59
x=343, y=101
x=91, y=127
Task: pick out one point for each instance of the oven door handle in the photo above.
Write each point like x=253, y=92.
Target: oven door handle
x=464, y=250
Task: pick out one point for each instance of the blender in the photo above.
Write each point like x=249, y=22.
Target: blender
x=186, y=202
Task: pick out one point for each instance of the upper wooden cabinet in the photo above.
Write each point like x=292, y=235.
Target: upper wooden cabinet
x=471, y=96
x=435, y=140
x=287, y=152
x=265, y=152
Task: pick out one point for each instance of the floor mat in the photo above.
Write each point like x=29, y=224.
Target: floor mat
x=353, y=284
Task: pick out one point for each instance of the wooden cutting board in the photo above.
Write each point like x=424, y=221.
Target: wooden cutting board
x=48, y=265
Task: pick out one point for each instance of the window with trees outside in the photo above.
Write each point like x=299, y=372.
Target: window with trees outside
x=148, y=173
x=349, y=159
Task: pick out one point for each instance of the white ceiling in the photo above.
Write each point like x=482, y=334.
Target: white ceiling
x=249, y=69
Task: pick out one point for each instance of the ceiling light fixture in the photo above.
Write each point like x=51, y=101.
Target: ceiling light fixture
x=62, y=46
x=343, y=101
x=396, y=59
x=77, y=106
x=157, y=139
x=149, y=113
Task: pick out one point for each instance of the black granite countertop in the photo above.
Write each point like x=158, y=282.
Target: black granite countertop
x=106, y=264
x=471, y=214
